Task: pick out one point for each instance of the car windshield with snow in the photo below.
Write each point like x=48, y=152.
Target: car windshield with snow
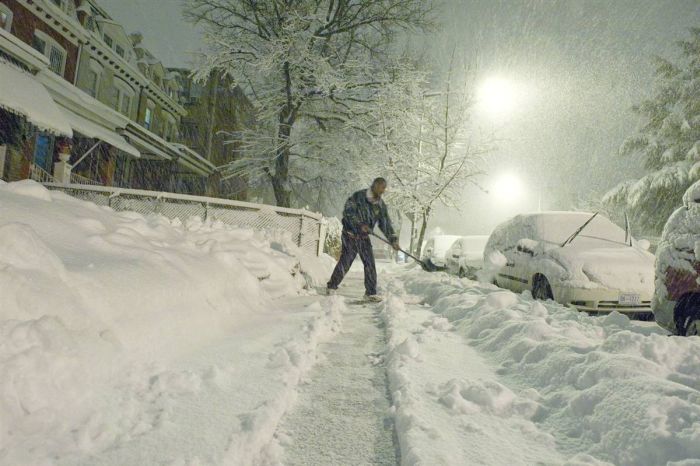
x=435, y=250
x=466, y=256
x=579, y=259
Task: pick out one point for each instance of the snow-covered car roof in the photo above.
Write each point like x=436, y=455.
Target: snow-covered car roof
x=472, y=243
x=692, y=195
x=443, y=241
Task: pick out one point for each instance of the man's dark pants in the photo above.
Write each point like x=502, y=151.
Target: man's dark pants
x=351, y=246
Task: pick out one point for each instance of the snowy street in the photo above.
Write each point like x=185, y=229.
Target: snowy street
x=264, y=371
x=360, y=232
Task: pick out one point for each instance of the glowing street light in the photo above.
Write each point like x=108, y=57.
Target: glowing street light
x=497, y=96
x=507, y=188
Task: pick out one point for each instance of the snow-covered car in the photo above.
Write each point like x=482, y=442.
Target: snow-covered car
x=466, y=256
x=578, y=259
x=676, y=302
x=436, y=248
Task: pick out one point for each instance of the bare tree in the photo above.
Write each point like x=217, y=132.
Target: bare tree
x=429, y=148
x=300, y=60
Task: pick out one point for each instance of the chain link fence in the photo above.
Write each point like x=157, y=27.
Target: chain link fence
x=308, y=229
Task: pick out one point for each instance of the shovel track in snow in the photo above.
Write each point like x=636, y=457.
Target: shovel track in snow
x=343, y=412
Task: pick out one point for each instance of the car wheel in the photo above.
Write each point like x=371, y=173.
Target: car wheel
x=541, y=289
x=692, y=328
x=687, y=315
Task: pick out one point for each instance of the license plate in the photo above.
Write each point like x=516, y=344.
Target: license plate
x=629, y=299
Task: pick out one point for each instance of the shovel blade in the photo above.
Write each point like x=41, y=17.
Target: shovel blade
x=428, y=267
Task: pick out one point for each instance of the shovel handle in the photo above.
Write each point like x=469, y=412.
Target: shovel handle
x=387, y=242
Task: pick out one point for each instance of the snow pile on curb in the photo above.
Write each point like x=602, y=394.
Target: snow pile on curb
x=401, y=348
x=256, y=443
x=607, y=388
x=92, y=300
x=449, y=407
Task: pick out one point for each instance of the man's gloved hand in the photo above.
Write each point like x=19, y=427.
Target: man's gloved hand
x=364, y=229
x=395, y=245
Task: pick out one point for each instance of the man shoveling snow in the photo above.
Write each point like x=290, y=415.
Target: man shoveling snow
x=363, y=211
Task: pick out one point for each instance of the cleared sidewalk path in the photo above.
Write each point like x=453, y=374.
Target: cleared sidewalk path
x=342, y=415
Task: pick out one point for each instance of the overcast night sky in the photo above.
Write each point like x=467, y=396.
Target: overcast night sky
x=579, y=67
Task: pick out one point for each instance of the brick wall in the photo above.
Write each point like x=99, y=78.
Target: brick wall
x=24, y=23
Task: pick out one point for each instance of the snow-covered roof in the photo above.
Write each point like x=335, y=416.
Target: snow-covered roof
x=31, y=100
x=93, y=130
x=183, y=149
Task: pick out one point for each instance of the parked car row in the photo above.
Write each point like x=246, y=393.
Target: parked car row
x=585, y=261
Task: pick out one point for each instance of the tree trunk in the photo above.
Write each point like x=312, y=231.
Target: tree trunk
x=287, y=115
x=423, y=227
x=280, y=178
x=412, y=245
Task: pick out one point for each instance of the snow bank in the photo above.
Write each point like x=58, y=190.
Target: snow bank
x=449, y=407
x=606, y=389
x=91, y=299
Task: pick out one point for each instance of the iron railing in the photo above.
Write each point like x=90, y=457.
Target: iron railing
x=79, y=179
x=40, y=175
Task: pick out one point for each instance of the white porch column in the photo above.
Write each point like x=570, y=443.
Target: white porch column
x=62, y=169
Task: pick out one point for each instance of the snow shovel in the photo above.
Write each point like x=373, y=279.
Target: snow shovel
x=427, y=266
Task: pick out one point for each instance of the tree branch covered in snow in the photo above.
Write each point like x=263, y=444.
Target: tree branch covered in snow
x=310, y=67
x=668, y=142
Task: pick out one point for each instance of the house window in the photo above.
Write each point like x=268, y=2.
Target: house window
x=149, y=118
x=93, y=82
x=108, y=40
x=120, y=51
x=39, y=44
x=126, y=105
x=124, y=98
x=169, y=128
x=90, y=24
x=50, y=48
x=5, y=17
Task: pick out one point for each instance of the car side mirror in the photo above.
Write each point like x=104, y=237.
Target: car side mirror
x=644, y=244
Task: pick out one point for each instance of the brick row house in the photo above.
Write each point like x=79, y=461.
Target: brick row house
x=217, y=111
x=83, y=101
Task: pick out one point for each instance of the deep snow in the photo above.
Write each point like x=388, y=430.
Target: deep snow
x=484, y=376
x=98, y=311
x=131, y=340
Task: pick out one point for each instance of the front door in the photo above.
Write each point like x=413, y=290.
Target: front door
x=43, y=152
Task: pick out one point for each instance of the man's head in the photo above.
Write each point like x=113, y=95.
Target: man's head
x=378, y=187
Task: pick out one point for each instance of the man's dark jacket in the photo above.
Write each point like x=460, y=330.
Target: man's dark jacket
x=360, y=211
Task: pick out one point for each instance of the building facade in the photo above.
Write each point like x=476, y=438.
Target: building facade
x=217, y=111
x=121, y=106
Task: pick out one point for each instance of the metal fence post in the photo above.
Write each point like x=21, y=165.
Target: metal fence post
x=112, y=196
x=322, y=231
x=301, y=229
